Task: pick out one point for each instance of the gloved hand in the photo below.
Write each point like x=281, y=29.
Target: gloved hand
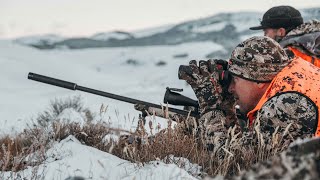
x=204, y=80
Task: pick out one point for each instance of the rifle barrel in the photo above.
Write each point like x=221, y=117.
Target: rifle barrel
x=74, y=86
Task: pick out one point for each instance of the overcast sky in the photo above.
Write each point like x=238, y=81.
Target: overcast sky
x=86, y=17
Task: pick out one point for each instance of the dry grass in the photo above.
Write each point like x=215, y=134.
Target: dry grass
x=25, y=149
x=57, y=106
x=28, y=148
x=226, y=160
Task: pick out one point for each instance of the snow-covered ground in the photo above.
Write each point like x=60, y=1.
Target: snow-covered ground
x=70, y=158
x=105, y=69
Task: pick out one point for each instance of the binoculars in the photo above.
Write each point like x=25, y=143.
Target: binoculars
x=222, y=69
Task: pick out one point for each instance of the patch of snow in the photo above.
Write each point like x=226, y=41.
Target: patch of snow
x=70, y=158
x=70, y=115
x=212, y=27
x=111, y=137
x=111, y=35
x=193, y=169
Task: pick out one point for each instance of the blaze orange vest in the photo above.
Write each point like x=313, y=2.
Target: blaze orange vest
x=299, y=76
x=310, y=59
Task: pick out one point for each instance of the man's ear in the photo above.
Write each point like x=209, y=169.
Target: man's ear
x=281, y=32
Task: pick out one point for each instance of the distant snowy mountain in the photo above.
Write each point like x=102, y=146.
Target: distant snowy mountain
x=151, y=31
x=117, y=35
x=40, y=40
x=226, y=29
x=121, y=35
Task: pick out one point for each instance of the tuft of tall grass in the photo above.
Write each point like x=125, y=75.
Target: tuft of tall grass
x=25, y=149
x=237, y=153
x=58, y=105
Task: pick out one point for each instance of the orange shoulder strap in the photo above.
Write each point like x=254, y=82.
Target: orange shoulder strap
x=311, y=59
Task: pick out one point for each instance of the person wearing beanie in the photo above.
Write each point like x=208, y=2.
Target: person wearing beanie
x=285, y=25
x=279, y=93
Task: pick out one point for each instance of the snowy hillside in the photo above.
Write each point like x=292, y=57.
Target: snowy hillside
x=226, y=29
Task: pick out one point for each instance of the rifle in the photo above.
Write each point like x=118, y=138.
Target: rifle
x=146, y=108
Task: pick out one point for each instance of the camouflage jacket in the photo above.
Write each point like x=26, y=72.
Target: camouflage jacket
x=300, y=161
x=305, y=37
x=290, y=114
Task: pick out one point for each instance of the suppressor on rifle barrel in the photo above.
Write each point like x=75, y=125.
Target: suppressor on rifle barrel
x=52, y=81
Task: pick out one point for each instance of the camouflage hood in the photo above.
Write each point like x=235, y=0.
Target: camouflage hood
x=258, y=59
x=305, y=37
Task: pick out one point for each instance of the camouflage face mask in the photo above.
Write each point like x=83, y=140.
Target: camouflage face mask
x=258, y=59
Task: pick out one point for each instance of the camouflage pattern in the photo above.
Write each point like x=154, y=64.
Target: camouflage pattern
x=213, y=130
x=204, y=80
x=305, y=38
x=306, y=28
x=290, y=112
x=300, y=161
x=283, y=119
x=214, y=100
x=258, y=59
